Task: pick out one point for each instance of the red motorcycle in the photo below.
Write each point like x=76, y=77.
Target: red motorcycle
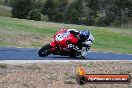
x=60, y=46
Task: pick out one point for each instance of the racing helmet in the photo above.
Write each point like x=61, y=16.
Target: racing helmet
x=84, y=34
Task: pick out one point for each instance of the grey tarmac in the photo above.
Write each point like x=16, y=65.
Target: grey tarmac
x=12, y=53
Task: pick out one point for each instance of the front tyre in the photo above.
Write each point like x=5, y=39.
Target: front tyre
x=44, y=51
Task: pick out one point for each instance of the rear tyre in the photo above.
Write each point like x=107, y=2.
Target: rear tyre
x=82, y=57
x=44, y=51
x=72, y=54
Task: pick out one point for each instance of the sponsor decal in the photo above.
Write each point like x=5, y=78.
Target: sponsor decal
x=83, y=78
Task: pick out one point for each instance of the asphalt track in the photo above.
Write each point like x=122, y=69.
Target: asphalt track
x=31, y=54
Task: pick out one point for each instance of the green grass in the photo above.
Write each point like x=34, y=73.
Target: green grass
x=106, y=39
x=1, y=2
x=112, y=41
x=5, y=11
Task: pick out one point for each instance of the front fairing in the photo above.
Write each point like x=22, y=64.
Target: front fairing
x=62, y=37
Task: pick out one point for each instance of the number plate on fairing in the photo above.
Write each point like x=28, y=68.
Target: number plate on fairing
x=59, y=37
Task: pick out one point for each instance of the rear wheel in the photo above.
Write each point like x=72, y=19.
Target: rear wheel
x=44, y=51
x=73, y=54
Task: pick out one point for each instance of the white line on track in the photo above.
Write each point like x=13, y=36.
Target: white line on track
x=50, y=61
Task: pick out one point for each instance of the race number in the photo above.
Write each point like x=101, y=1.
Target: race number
x=59, y=37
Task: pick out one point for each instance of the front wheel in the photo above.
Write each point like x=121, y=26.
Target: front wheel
x=44, y=51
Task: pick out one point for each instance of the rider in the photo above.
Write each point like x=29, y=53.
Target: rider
x=84, y=36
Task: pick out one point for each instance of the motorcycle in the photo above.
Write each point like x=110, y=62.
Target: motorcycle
x=63, y=39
